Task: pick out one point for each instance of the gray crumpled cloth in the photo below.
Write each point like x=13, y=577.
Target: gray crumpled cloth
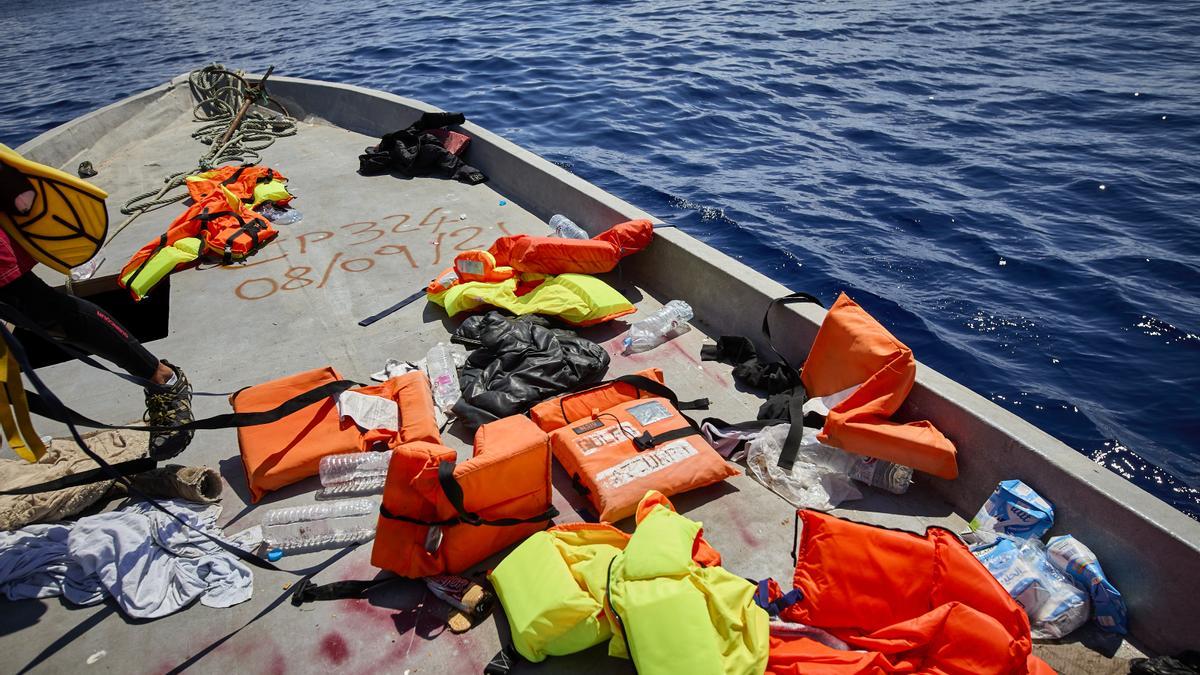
x=149, y=563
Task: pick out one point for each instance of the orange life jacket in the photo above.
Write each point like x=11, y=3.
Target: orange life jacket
x=554, y=255
x=239, y=180
x=437, y=517
x=913, y=603
x=226, y=227
x=480, y=266
x=290, y=449
x=615, y=454
x=852, y=350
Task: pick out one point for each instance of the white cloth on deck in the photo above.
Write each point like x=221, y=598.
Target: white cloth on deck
x=147, y=561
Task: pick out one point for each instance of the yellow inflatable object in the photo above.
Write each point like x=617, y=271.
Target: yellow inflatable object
x=68, y=222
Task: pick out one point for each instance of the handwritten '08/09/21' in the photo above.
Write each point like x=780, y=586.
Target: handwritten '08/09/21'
x=342, y=241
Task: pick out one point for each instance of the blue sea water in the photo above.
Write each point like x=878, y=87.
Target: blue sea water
x=1012, y=188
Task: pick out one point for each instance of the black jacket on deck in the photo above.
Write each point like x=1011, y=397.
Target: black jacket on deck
x=518, y=362
x=415, y=152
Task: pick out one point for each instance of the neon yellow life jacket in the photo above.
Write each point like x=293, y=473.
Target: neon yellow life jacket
x=162, y=263
x=678, y=617
x=560, y=588
x=578, y=299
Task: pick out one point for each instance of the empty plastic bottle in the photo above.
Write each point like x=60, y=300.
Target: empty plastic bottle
x=353, y=474
x=894, y=478
x=317, y=526
x=443, y=376
x=659, y=327
x=359, y=487
x=353, y=465
x=565, y=229
x=279, y=215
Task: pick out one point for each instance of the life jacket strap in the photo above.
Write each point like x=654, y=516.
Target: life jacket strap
x=774, y=607
x=790, y=298
x=648, y=440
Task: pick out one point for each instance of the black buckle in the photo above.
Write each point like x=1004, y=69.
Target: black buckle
x=470, y=518
x=644, y=442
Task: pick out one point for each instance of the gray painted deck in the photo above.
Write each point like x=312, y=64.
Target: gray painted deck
x=363, y=244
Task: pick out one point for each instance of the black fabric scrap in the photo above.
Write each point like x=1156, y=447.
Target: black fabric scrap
x=415, y=152
x=749, y=369
x=518, y=362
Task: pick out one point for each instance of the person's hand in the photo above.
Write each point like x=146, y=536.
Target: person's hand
x=16, y=192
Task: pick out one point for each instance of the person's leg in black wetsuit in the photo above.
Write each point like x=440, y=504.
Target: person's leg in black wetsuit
x=88, y=327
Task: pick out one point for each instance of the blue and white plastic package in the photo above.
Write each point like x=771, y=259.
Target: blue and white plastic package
x=1016, y=510
x=1077, y=561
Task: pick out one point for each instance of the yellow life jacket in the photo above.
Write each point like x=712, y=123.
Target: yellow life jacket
x=578, y=299
x=577, y=585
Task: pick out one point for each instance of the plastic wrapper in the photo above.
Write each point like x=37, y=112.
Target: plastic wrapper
x=1014, y=509
x=818, y=479
x=1077, y=561
x=1055, y=606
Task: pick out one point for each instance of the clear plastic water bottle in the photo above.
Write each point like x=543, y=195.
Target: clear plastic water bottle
x=659, y=327
x=443, y=376
x=280, y=215
x=318, y=526
x=359, y=487
x=894, y=478
x=565, y=229
x=354, y=465
x=354, y=474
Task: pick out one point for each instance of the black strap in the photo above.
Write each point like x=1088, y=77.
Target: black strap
x=233, y=177
x=791, y=444
x=162, y=243
x=59, y=412
x=790, y=298
x=394, y=308
x=648, y=440
x=454, y=494
x=641, y=383
x=127, y=468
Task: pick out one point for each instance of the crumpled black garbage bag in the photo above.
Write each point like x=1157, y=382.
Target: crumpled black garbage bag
x=1187, y=663
x=518, y=362
x=416, y=152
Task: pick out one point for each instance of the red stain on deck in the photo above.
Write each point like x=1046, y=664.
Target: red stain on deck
x=748, y=537
x=334, y=648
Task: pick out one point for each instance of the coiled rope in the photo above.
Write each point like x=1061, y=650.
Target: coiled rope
x=235, y=133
